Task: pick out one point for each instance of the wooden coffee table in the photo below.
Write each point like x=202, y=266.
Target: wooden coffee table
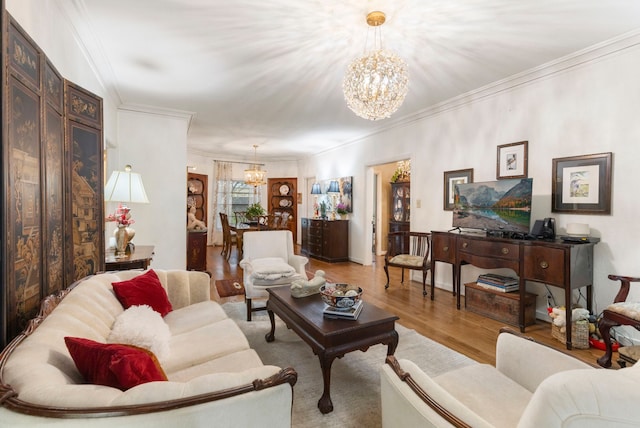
x=330, y=338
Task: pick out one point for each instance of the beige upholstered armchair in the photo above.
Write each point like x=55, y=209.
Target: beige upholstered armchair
x=268, y=261
x=532, y=385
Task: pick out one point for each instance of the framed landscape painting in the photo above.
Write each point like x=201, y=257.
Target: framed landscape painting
x=582, y=184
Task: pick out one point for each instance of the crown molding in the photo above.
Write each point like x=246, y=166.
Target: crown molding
x=188, y=116
x=75, y=13
x=581, y=58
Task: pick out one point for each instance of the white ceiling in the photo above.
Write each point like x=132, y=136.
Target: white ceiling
x=269, y=72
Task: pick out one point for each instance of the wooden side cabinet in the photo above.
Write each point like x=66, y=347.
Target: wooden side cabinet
x=326, y=240
x=139, y=258
x=197, y=250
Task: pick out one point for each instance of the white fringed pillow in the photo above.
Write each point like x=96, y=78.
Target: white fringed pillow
x=143, y=327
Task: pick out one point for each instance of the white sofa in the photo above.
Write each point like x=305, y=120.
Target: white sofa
x=532, y=385
x=214, y=377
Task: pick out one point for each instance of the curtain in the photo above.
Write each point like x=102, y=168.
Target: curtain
x=222, y=173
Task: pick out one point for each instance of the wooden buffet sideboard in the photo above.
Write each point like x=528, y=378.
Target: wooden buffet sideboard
x=326, y=240
x=561, y=264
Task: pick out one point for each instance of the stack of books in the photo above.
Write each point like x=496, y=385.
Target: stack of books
x=347, y=314
x=496, y=282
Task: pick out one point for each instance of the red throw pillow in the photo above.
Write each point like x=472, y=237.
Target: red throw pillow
x=115, y=365
x=144, y=289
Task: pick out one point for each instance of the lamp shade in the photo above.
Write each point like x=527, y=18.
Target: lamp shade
x=315, y=189
x=125, y=186
x=334, y=187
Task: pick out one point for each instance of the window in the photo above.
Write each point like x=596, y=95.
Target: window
x=241, y=196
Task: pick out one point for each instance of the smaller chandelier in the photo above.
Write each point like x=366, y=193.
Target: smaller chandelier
x=254, y=176
x=376, y=83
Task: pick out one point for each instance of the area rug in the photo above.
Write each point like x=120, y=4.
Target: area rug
x=355, y=378
x=229, y=287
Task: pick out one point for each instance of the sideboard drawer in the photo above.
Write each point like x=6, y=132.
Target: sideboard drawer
x=544, y=264
x=494, y=249
x=315, y=225
x=443, y=247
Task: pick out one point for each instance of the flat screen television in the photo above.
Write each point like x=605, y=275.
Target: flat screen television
x=503, y=205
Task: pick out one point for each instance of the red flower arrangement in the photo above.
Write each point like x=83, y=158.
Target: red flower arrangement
x=122, y=216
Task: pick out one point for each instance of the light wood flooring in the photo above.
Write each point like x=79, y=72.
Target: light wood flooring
x=468, y=333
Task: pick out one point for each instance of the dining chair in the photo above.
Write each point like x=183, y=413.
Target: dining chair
x=240, y=217
x=285, y=218
x=229, y=237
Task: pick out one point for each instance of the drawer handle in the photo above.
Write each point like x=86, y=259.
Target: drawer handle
x=465, y=244
x=445, y=248
x=505, y=250
x=544, y=264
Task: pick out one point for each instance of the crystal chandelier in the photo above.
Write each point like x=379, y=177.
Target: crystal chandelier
x=254, y=176
x=376, y=83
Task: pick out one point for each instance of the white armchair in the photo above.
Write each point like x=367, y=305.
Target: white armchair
x=268, y=261
x=532, y=385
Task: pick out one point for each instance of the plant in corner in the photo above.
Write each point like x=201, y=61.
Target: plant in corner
x=254, y=211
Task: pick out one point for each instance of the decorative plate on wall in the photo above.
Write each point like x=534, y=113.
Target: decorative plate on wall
x=284, y=189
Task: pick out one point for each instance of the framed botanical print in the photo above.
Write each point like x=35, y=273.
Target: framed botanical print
x=512, y=160
x=451, y=178
x=582, y=184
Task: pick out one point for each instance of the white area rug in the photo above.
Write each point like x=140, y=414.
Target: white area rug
x=355, y=378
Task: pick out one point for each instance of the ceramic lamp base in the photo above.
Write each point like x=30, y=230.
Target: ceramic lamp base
x=123, y=235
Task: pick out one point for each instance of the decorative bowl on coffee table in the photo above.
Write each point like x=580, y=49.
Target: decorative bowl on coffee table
x=340, y=296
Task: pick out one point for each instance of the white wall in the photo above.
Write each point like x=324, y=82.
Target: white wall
x=155, y=145
x=585, y=104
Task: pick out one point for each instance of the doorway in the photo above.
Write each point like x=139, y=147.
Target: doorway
x=378, y=179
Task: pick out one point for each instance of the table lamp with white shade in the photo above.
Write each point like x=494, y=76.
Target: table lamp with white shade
x=334, y=191
x=315, y=191
x=124, y=187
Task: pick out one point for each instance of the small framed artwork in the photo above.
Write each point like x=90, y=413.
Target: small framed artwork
x=512, y=160
x=451, y=178
x=582, y=184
